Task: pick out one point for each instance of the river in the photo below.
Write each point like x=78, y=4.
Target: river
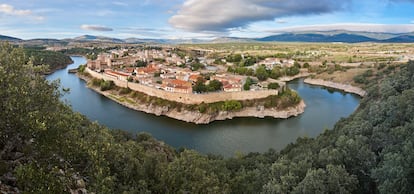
x=324, y=109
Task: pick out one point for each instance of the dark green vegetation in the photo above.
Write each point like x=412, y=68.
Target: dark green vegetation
x=104, y=85
x=262, y=73
x=51, y=149
x=212, y=86
x=273, y=86
x=54, y=60
x=89, y=53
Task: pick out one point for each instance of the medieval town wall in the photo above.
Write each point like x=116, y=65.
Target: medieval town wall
x=187, y=98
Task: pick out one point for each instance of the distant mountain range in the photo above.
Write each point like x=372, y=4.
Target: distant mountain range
x=290, y=37
x=346, y=37
x=311, y=36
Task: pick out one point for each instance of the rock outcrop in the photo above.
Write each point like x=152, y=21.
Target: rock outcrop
x=345, y=87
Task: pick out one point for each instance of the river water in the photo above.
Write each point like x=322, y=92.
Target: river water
x=324, y=108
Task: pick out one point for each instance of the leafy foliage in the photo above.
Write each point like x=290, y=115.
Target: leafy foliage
x=54, y=60
x=273, y=86
x=247, y=84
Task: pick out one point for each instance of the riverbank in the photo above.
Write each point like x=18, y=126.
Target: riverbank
x=194, y=116
x=57, y=68
x=290, y=78
x=344, y=87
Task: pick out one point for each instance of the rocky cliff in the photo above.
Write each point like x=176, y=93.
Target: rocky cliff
x=345, y=87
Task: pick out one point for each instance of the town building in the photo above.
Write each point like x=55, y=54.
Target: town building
x=178, y=86
x=117, y=75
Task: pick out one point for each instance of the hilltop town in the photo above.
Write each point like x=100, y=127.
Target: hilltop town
x=164, y=69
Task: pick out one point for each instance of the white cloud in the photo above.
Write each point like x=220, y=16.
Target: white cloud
x=218, y=15
x=103, y=13
x=280, y=21
x=363, y=27
x=10, y=10
x=96, y=28
x=119, y=3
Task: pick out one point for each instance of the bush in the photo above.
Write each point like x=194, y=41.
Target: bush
x=247, y=84
x=360, y=79
x=107, y=85
x=96, y=82
x=368, y=73
x=231, y=105
x=202, y=108
x=291, y=71
x=273, y=86
x=125, y=91
x=81, y=68
x=381, y=66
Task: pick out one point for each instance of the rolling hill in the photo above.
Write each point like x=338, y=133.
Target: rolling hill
x=9, y=38
x=293, y=37
x=400, y=39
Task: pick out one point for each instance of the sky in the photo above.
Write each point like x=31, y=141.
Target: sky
x=203, y=19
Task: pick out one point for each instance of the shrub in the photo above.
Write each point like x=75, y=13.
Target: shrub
x=368, y=73
x=81, y=68
x=202, y=108
x=273, y=86
x=360, y=79
x=107, y=85
x=231, y=105
x=381, y=66
x=96, y=82
x=125, y=91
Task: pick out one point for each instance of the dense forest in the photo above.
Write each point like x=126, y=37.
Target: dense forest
x=45, y=147
x=54, y=60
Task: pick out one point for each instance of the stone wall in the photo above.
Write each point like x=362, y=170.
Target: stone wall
x=187, y=98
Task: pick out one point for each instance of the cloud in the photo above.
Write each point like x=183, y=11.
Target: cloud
x=119, y=3
x=280, y=21
x=96, y=28
x=10, y=10
x=218, y=15
x=362, y=27
x=152, y=32
x=410, y=1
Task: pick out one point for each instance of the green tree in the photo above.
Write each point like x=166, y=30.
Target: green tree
x=193, y=173
x=247, y=84
x=199, y=86
x=214, y=85
x=276, y=73
x=333, y=179
x=261, y=73
x=273, y=86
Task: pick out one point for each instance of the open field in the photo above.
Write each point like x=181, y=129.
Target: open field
x=311, y=52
